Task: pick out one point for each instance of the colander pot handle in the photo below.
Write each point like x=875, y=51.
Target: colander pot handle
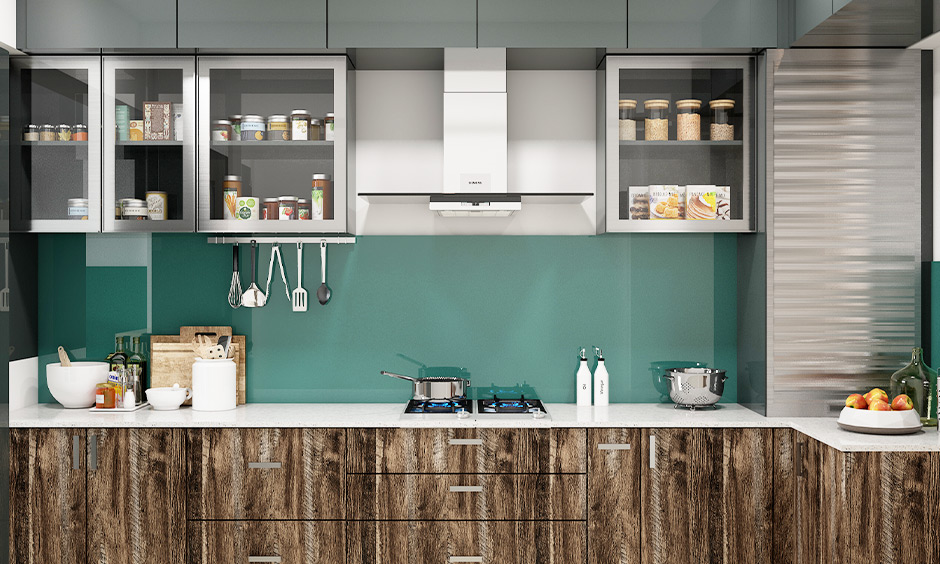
x=667, y=376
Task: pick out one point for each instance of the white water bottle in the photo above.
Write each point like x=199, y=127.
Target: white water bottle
x=583, y=381
x=601, y=380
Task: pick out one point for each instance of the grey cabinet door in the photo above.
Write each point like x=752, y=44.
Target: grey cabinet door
x=74, y=24
x=250, y=24
x=838, y=5
x=702, y=23
x=807, y=14
x=402, y=23
x=552, y=23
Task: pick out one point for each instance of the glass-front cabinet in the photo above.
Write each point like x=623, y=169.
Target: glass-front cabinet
x=56, y=144
x=149, y=143
x=680, y=137
x=272, y=144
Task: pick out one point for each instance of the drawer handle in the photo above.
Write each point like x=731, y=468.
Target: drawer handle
x=613, y=446
x=465, y=559
x=274, y=559
x=466, y=489
x=265, y=466
x=465, y=442
x=76, y=454
x=652, y=451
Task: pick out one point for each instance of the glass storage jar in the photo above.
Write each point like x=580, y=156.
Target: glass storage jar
x=300, y=123
x=221, y=130
x=721, y=128
x=278, y=128
x=252, y=128
x=656, y=124
x=80, y=133
x=321, y=197
x=287, y=207
x=269, y=208
x=688, y=120
x=31, y=132
x=919, y=382
x=47, y=132
x=328, y=122
x=303, y=209
x=231, y=191
x=627, y=110
x=316, y=129
x=236, y=121
x=63, y=132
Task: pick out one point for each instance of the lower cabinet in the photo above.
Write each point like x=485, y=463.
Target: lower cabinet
x=288, y=542
x=446, y=542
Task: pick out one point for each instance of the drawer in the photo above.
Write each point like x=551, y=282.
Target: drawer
x=466, y=451
x=467, y=496
x=285, y=542
x=451, y=542
x=266, y=474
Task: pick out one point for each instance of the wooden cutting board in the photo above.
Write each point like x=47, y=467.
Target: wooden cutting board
x=172, y=358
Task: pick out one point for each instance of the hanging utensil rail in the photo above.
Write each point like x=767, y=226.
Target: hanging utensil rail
x=284, y=240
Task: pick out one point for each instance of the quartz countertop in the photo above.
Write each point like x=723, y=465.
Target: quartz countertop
x=823, y=429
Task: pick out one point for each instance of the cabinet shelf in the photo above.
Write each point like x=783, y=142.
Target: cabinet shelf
x=316, y=150
x=149, y=143
x=702, y=143
x=55, y=143
x=313, y=226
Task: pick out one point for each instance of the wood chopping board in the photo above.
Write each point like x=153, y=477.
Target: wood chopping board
x=172, y=358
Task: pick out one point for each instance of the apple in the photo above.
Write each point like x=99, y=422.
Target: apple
x=856, y=401
x=879, y=405
x=876, y=393
x=902, y=403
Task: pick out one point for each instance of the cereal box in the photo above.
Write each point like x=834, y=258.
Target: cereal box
x=700, y=201
x=639, y=202
x=667, y=201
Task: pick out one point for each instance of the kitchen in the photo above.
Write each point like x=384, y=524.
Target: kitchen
x=566, y=260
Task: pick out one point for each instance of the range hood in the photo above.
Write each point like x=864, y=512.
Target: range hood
x=475, y=135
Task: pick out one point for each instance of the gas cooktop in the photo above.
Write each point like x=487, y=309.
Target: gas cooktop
x=462, y=408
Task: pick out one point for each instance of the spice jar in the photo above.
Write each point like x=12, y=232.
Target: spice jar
x=252, y=128
x=269, y=208
x=63, y=132
x=31, y=132
x=627, y=110
x=278, y=128
x=135, y=209
x=221, y=130
x=104, y=396
x=721, y=129
x=688, y=120
x=119, y=208
x=656, y=124
x=316, y=129
x=47, y=132
x=231, y=190
x=303, y=209
x=80, y=133
x=236, y=126
x=321, y=197
x=328, y=133
x=299, y=123
x=287, y=207
x=78, y=208
x=157, y=205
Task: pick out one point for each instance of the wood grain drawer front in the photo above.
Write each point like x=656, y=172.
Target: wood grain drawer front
x=466, y=451
x=455, y=542
x=274, y=542
x=467, y=496
x=266, y=474
x=614, y=459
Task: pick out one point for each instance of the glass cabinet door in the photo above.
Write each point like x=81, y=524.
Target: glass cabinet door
x=149, y=143
x=272, y=144
x=56, y=144
x=679, y=144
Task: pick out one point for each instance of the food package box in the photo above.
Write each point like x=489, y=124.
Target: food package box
x=723, y=202
x=157, y=116
x=667, y=201
x=700, y=201
x=136, y=129
x=639, y=202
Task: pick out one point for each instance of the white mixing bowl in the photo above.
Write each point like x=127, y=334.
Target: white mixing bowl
x=74, y=386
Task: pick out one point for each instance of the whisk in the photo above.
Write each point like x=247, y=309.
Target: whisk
x=235, y=292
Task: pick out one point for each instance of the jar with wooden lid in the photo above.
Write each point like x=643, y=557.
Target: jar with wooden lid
x=627, y=111
x=721, y=128
x=688, y=120
x=656, y=124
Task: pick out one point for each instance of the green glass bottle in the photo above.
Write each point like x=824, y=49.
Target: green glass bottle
x=919, y=382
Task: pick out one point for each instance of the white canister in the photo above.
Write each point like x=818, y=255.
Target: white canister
x=214, y=384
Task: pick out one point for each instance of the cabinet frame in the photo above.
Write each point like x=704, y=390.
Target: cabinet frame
x=611, y=221
x=339, y=66
x=188, y=67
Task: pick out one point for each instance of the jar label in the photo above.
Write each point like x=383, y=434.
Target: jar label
x=316, y=204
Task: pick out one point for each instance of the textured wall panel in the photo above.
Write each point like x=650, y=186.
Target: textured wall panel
x=843, y=222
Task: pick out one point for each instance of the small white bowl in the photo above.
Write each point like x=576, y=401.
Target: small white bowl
x=74, y=386
x=168, y=399
x=879, y=422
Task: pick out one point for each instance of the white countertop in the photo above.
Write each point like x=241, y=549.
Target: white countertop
x=823, y=429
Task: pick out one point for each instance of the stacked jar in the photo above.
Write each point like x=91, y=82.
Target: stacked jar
x=627, y=110
x=656, y=124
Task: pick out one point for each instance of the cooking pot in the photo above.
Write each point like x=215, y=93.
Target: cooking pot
x=435, y=387
x=695, y=387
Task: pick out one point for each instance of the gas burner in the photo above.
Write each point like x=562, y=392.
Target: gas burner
x=521, y=405
x=439, y=406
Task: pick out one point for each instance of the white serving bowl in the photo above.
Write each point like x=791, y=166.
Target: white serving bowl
x=74, y=386
x=168, y=399
x=883, y=421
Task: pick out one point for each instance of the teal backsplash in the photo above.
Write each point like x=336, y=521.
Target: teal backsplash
x=509, y=309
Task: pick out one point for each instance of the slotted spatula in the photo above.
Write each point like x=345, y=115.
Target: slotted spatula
x=299, y=296
x=5, y=292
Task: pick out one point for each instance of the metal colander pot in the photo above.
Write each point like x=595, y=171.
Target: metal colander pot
x=695, y=387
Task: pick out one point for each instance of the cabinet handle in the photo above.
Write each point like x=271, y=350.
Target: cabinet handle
x=465, y=559
x=265, y=466
x=274, y=559
x=93, y=451
x=76, y=456
x=465, y=442
x=466, y=489
x=613, y=446
x=652, y=451
x=801, y=459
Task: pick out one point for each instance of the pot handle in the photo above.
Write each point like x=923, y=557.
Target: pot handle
x=399, y=376
x=667, y=376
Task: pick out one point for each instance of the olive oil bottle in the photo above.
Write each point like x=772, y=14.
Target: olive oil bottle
x=137, y=371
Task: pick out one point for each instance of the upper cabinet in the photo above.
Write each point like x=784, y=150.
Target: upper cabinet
x=684, y=24
x=95, y=24
x=402, y=23
x=552, y=23
x=807, y=14
x=247, y=24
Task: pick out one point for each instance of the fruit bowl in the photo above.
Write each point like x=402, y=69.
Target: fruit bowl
x=879, y=422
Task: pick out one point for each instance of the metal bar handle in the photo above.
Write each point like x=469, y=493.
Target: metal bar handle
x=652, y=451
x=76, y=456
x=465, y=442
x=613, y=446
x=801, y=458
x=93, y=450
x=453, y=559
x=274, y=559
x=265, y=466
x=466, y=489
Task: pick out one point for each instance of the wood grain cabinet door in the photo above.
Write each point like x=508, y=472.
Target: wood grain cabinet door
x=466, y=451
x=136, y=496
x=274, y=542
x=614, y=494
x=47, y=496
x=266, y=474
x=707, y=496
